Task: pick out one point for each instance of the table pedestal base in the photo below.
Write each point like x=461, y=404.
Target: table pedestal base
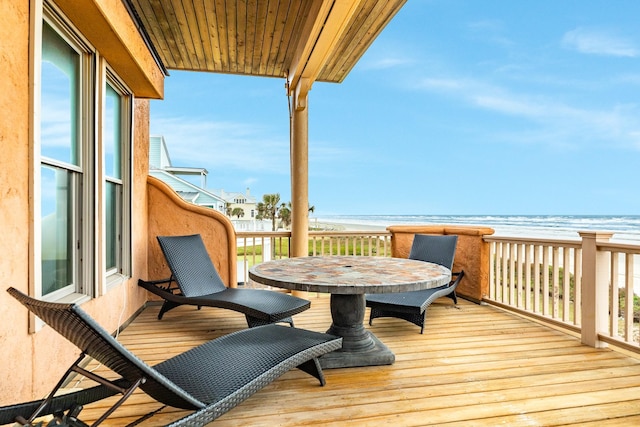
x=359, y=346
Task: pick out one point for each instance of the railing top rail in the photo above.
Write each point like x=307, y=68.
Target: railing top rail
x=349, y=233
x=573, y=243
x=618, y=247
x=313, y=233
x=263, y=234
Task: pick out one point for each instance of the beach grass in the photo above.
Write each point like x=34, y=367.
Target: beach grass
x=280, y=245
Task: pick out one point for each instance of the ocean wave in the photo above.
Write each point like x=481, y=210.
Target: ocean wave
x=624, y=227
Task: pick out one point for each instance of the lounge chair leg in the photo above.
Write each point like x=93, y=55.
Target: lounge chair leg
x=453, y=296
x=312, y=367
x=168, y=305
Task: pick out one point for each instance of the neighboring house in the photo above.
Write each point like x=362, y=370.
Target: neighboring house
x=249, y=206
x=194, y=190
x=160, y=167
x=80, y=214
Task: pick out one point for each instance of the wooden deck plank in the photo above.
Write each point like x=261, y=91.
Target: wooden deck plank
x=474, y=365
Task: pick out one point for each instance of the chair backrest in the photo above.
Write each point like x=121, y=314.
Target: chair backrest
x=437, y=249
x=77, y=326
x=191, y=265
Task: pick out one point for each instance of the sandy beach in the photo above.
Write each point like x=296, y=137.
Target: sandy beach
x=332, y=226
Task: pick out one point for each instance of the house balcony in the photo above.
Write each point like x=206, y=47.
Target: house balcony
x=520, y=355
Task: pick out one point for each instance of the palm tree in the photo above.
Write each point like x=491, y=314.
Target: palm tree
x=268, y=208
x=285, y=214
x=237, y=212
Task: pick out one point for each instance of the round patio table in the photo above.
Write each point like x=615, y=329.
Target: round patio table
x=348, y=279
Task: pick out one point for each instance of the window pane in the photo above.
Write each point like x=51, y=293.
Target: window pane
x=60, y=93
x=112, y=192
x=112, y=133
x=57, y=231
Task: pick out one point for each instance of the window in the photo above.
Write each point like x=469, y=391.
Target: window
x=84, y=206
x=62, y=172
x=115, y=137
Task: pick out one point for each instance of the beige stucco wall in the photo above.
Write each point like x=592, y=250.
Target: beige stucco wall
x=472, y=253
x=170, y=215
x=14, y=190
x=33, y=362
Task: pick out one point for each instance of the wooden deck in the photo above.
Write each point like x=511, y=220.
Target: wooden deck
x=474, y=365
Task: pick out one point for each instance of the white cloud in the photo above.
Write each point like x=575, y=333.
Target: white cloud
x=386, y=62
x=199, y=142
x=554, y=122
x=490, y=31
x=596, y=42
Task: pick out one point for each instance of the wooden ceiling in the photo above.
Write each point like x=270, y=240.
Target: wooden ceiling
x=271, y=38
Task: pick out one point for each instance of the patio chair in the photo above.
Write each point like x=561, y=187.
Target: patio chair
x=209, y=379
x=195, y=281
x=412, y=306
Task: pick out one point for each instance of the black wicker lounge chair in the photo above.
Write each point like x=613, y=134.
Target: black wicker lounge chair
x=209, y=379
x=195, y=281
x=412, y=306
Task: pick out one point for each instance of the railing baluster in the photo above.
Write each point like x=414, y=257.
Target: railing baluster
x=513, y=250
x=566, y=285
x=492, y=269
x=536, y=278
x=628, y=299
x=527, y=277
x=614, y=299
x=577, y=287
x=555, y=290
x=545, y=280
x=505, y=270
x=520, y=274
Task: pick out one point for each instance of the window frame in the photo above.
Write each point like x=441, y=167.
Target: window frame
x=83, y=223
x=122, y=271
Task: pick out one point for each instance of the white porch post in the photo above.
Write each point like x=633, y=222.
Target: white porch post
x=595, y=288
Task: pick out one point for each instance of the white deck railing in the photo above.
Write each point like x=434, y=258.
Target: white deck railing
x=256, y=247
x=582, y=285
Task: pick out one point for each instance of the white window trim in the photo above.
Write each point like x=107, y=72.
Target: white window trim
x=41, y=11
x=114, y=277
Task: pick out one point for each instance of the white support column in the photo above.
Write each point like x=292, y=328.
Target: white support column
x=595, y=288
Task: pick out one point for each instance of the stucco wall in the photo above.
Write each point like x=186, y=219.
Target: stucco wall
x=33, y=362
x=15, y=374
x=170, y=215
x=472, y=253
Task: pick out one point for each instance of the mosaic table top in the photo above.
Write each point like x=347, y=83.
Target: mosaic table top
x=350, y=274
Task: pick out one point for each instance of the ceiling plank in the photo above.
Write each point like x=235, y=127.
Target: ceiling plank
x=362, y=32
x=320, y=39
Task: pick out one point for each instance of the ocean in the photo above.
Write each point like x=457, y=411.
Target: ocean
x=626, y=228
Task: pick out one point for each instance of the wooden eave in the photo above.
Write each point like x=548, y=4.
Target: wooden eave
x=319, y=40
x=109, y=28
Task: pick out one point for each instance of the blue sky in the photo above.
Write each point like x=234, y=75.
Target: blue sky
x=458, y=107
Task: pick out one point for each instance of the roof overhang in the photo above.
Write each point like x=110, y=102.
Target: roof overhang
x=108, y=28
x=301, y=40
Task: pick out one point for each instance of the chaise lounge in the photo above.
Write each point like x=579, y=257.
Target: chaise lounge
x=412, y=306
x=195, y=281
x=209, y=379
